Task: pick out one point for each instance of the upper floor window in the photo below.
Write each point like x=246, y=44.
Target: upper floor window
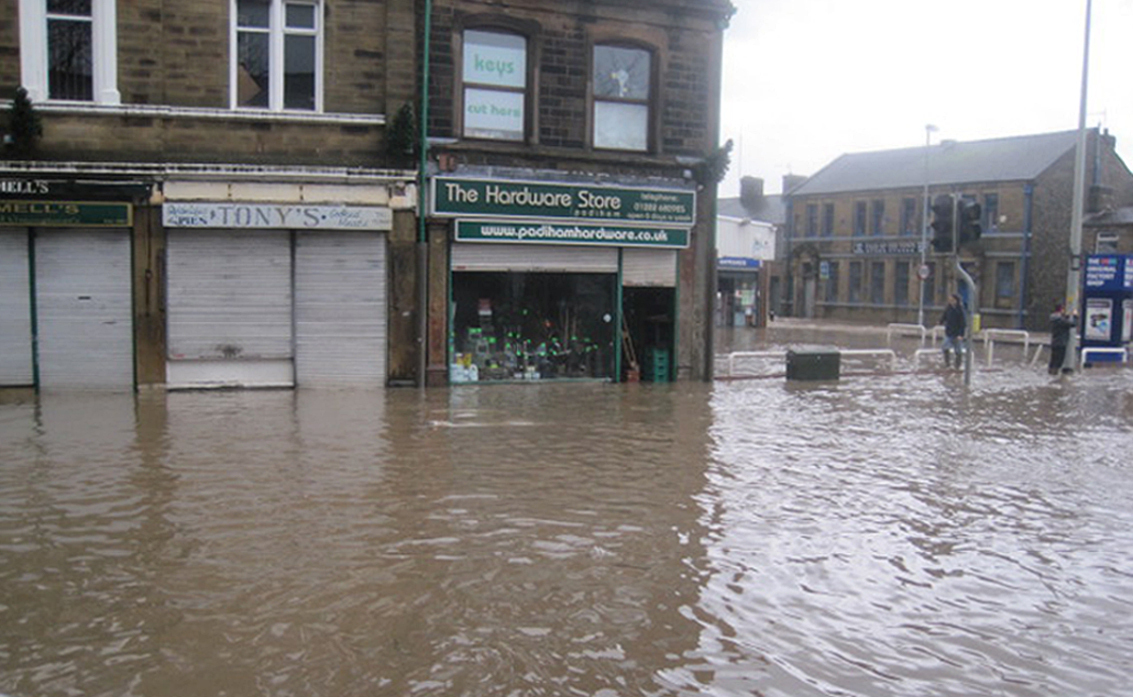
x=495, y=85
x=877, y=225
x=908, y=216
x=859, y=217
x=811, y=219
x=622, y=83
x=828, y=220
x=68, y=50
x=278, y=55
x=991, y=213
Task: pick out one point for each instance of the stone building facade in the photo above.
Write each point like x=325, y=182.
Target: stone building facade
x=855, y=228
x=226, y=192
x=597, y=129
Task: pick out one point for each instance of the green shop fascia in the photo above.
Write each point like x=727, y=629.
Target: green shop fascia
x=552, y=280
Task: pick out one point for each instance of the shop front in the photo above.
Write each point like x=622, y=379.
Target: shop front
x=65, y=286
x=275, y=294
x=561, y=281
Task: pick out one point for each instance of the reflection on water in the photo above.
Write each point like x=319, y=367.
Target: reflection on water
x=898, y=535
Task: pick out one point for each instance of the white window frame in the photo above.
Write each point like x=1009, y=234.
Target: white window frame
x=277, y=32
x=34, y=61
x=601, y=103
x=516, y=89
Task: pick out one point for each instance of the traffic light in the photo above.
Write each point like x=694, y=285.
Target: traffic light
x=969, y=220
x=942, y=223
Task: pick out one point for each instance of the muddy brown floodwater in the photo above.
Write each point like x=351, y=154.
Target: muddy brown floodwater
x=890, y=535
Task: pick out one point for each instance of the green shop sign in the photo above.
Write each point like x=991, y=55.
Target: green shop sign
x=65, y=214
x=560, y=233
x=454, y=196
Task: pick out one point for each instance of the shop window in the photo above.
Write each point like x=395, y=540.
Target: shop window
x=67, y=50
x=877, y=283
x=901, y=283
x=828, y=220
x=277, y=55
x=855, y=281
x=532, y=326
x=622, y=85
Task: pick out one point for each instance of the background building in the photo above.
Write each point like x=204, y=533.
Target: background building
x=855, y=228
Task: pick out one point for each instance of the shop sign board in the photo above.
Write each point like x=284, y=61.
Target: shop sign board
x=496, y=198
x=569, y=233
x=275, y=216
x=1109, y=272
x=737, y=263
x=891, y=248
x=65, y=213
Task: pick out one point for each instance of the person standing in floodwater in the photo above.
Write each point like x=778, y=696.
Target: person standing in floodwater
x=954, y=325
x=1060, y=325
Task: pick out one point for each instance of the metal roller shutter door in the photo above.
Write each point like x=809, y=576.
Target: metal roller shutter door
x=649, y=267
x=83, y=301
x=528, y=257
x=340, y=309
x=15, y=309
x=229, y=308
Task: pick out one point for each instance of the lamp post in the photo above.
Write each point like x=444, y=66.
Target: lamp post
x=929, y=129
x=1074, y=275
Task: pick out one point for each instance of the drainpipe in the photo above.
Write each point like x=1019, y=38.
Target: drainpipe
x=1028, y=217
x=422, y=208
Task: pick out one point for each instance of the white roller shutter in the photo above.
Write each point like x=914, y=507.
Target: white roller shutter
x=15, y=309
x=340, y=309
x=533, y=257
x=229, y=308
x=83, y=313
x=649, y=267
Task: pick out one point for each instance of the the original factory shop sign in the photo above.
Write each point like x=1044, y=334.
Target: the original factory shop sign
x=262, y=216
x=454, y=196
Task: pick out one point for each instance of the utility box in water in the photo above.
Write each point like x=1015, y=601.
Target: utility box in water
x=813, y=365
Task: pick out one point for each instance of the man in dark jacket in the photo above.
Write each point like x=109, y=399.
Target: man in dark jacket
x=1060, y=326
x=954, y=325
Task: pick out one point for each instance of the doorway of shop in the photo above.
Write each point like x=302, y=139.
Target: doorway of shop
x=648, y=339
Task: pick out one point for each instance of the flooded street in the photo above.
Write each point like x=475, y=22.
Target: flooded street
x=890, y=535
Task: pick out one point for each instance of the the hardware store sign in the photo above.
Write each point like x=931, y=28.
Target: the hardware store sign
x=514, y=199
x=559, y=233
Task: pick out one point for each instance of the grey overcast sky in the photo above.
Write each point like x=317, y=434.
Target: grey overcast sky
x=808, y=80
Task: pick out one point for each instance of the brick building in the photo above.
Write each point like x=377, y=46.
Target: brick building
x=225, y=193
x=855, y=228
x=570, y=232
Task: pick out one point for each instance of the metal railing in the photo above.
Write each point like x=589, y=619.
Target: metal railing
x=751, y=354
x=990, y=335
x=902, y=330
x=883, y=353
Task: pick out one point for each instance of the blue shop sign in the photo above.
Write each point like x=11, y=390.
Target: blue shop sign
x=737, y=263
x=1109, y=272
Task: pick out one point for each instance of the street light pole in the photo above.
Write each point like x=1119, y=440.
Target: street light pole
x=929, y=129
x=1073, y=276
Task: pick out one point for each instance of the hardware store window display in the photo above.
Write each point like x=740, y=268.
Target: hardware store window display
x=532, y=326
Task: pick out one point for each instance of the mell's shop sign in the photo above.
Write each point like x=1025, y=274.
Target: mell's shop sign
x=494, y=198
x=65, y=213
